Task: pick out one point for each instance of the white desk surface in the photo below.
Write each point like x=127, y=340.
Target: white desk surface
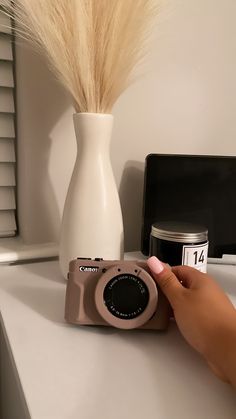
x=71, y=372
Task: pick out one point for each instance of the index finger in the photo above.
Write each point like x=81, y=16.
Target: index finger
x=188, y=276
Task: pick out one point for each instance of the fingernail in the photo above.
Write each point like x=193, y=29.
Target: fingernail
x=155, y=265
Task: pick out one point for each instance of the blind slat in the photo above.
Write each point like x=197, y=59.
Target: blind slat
x=5, y=23
x=6, y=74
x=7, y=223
x=6, y=100
x=7, y=150
x=5, y=48
x=7, y=129
x=7, y=174
x=5, y=234
x=5, y=2
x=7, y=198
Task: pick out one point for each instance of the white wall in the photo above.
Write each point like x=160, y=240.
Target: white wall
x=185, y=103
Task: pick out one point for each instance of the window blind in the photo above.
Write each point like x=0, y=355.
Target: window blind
x=7, y=130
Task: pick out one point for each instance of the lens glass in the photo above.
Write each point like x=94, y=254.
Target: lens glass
x=126, y=296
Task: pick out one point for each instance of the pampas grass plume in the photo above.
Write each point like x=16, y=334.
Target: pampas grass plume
x=92, y=45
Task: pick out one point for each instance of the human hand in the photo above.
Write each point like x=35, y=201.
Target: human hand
x=204, y=314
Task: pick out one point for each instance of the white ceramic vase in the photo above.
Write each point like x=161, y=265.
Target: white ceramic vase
x=92, y=224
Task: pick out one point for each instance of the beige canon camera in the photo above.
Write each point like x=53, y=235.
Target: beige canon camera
x=122, y=294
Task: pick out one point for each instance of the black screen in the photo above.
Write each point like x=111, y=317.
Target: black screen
x=196, y=189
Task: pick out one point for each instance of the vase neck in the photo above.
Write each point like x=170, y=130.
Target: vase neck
x=93, y=131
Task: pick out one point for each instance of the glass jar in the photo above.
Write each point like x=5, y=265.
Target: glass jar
x=178, y=243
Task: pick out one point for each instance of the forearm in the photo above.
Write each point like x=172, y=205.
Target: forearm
x=222, y=356
x=229, y=361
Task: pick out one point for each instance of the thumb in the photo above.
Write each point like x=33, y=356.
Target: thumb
x=165, y=278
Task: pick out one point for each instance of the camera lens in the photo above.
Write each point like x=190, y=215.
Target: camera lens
x=126, y=296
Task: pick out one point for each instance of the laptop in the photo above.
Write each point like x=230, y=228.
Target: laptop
x=195, y=189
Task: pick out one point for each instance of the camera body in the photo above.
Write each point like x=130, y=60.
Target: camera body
x=121, y=294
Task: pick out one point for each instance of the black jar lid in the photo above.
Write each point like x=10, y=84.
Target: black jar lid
x=179, y=232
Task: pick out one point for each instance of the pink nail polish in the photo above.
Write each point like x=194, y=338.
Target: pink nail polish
x=155, y=265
